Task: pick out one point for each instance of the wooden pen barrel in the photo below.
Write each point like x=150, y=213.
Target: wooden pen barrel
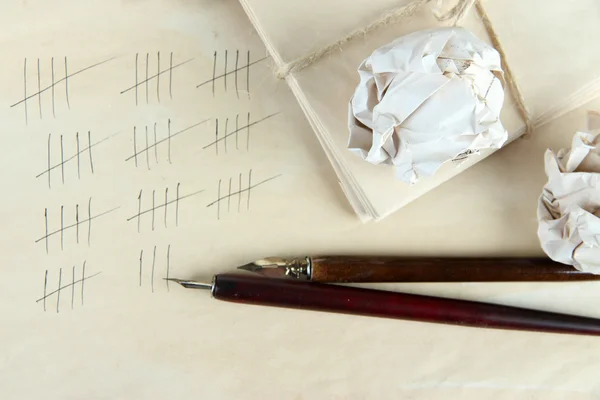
x=258, y=290
x=454, y=269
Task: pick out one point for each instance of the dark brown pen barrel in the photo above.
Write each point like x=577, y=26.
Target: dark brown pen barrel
x=249, y=289
x=459, y=269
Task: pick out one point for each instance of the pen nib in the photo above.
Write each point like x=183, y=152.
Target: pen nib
x=275, y=267
x=190, y=284
x=271, y=271
x=251, y=267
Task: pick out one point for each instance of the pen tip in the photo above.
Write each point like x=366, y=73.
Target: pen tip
x=173, y=280
x=190, y=284
x=250, y=267
x=268, y=270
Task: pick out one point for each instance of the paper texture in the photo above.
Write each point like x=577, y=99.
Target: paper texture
x=531, y=33
x=125, y=334
x=569, y=207
x=425, y=99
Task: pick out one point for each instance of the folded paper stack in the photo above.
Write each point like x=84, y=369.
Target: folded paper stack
x=402, y=100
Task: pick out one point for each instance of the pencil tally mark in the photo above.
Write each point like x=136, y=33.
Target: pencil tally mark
x=75, y=226
x=149, y=263
x=233, y=67
x=49, y=69
x=83, y=145
x=228, y=132
x=235, y=188
x=164, y=131
x=69, y=281
x=152, y=76
x=167, y=209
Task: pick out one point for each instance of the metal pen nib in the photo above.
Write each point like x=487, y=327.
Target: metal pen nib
x=269, y=271
x=252, y=267
x=275, y=267
x=191, y=284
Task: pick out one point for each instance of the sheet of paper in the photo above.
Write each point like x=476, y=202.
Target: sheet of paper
x=122, y=333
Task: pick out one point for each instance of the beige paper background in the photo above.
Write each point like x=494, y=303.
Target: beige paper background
x=126, y=342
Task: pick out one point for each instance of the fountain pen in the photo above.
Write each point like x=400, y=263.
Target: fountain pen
x=349, y=269
x=297, y=294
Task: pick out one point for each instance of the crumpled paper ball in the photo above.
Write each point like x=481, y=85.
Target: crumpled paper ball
x=427, y=98
x=569, y=206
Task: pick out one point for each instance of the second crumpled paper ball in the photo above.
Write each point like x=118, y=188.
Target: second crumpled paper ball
x=569, y=207
x=427, y=98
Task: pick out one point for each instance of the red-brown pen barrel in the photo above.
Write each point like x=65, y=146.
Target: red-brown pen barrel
x=250, y=289
x=427, y=269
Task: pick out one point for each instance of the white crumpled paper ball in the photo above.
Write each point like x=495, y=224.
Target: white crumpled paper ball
x=569, y=207
x=427, y=98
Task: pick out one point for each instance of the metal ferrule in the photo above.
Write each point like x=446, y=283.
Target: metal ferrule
x=298, y=268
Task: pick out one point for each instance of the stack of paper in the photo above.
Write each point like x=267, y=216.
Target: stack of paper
x=550, y=48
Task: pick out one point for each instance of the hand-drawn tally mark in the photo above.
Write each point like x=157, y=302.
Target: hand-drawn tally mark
x=52, y=87
x=233, y=124
x=237, y=70
x=152, y=131
x=173, y=203
x=79, y=152
x=79, y=223
x=167, y=264
x=146, y=77
x=240, y=187
x=62, y=285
